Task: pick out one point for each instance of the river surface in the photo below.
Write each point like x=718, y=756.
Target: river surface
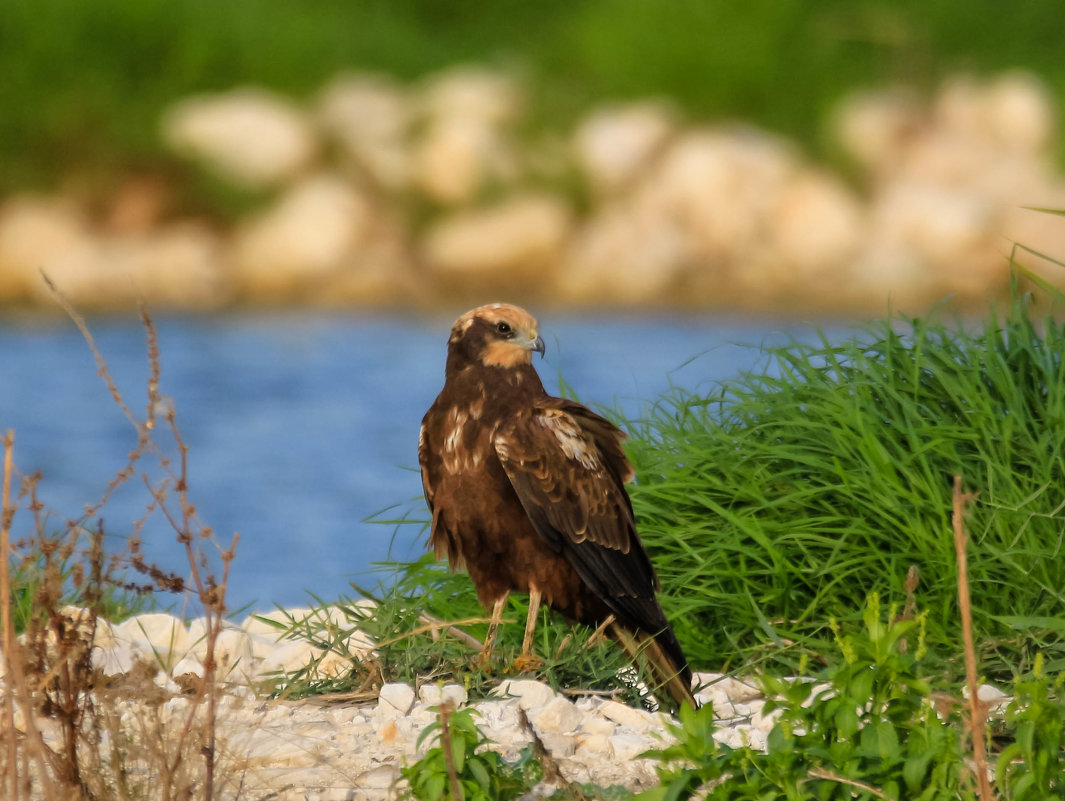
x=300, y=427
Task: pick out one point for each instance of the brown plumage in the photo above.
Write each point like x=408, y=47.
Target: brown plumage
x=527, y=494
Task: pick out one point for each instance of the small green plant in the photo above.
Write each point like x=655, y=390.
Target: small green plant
x=867, y=730
x=460, y=767
x=1032, y=767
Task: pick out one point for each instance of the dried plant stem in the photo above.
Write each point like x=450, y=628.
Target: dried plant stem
x=435, y=624
x=6, y=516
x=449, y=756
x=977, y=711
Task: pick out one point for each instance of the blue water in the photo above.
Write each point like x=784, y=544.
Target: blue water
x=300, y=427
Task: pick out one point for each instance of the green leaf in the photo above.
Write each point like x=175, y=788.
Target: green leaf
x=458, y=752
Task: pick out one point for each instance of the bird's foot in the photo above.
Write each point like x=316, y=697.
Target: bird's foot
x=526, y=661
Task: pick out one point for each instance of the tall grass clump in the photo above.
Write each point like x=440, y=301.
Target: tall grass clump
x=787, y=496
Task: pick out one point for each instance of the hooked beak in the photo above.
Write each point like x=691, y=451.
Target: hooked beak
x=538, y=346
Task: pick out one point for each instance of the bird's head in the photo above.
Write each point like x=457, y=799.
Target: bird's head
x=496, y=335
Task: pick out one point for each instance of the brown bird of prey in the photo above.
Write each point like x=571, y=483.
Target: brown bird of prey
x=527, y=494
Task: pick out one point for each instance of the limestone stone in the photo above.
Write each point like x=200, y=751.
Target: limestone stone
x=396, y=698
x=37, y=232
x=556, y=716
x=313, y=230
x=155, y=634
x=487, y=96
x=628, y=746
x=629, y=252
x=455, y=694
x=530, y=693
x=614, y=145
x=877, y=128
x=457, y=157
x=513, y=240
x=627, y=715
x=597, y=726
x=251, y=136
x=371, y=117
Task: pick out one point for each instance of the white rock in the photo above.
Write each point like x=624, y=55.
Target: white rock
x=627, y=715
x=457, y=157
x=485, y=96
x=556, y=716
x=719, y=185
x=396, y=698
x=597, y=726
x=593, y=747
x=817, y=226
x=379, y=778
x=455, y=694
x=559, y=746
x=630, y=746
x=629, y=252
x=430, y=694
x=615, y=145
x=186, y=665
x=514, y=240
x=289, y=656
x=878, y=128
x=35, y=234
x=314, y=229
x=251, y=136
x=1020, y=113
x=113, y=660
x=371, y=117
x=530, y=693
x=155, y=634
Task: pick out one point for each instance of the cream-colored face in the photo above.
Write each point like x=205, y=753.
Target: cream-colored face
x=513, y=334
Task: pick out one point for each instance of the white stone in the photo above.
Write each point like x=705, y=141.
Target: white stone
x=615, y=145
x=559, y=746
x=594, y=747
x=455, y=694
x=556, y=716
x=459, y=156
x=379, y=778
x=113, y=660
x=516, y=239
x=395, y=698
x=371, y=116
x=629, y=746
x=627, y=715
x=877, y=129
x=36, y=233
x=1020, y=113
x=817, y=226
x=289, y=656
x=486, y=96
x=251, y=136
x=314, y=229
x=597, y=726
x=155, y=634
x=530, y=693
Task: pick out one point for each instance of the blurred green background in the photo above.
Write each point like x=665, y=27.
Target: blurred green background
x=83, y=83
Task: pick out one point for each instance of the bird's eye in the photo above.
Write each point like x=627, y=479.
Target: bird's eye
x=503, y=328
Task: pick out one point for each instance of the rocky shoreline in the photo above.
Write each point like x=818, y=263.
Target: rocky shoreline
x=340, y=748
x=377, y=193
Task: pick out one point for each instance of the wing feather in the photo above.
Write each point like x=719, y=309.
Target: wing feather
x=568, y=470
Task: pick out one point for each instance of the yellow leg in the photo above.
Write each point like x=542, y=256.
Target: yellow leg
x=493, y=629
x=526, y=659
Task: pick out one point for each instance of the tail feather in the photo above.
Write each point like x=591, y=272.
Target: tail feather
x=661, y=661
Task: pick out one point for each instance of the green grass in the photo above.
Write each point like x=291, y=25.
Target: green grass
x=786, y=497
x=84, y=83
x=408, y=651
